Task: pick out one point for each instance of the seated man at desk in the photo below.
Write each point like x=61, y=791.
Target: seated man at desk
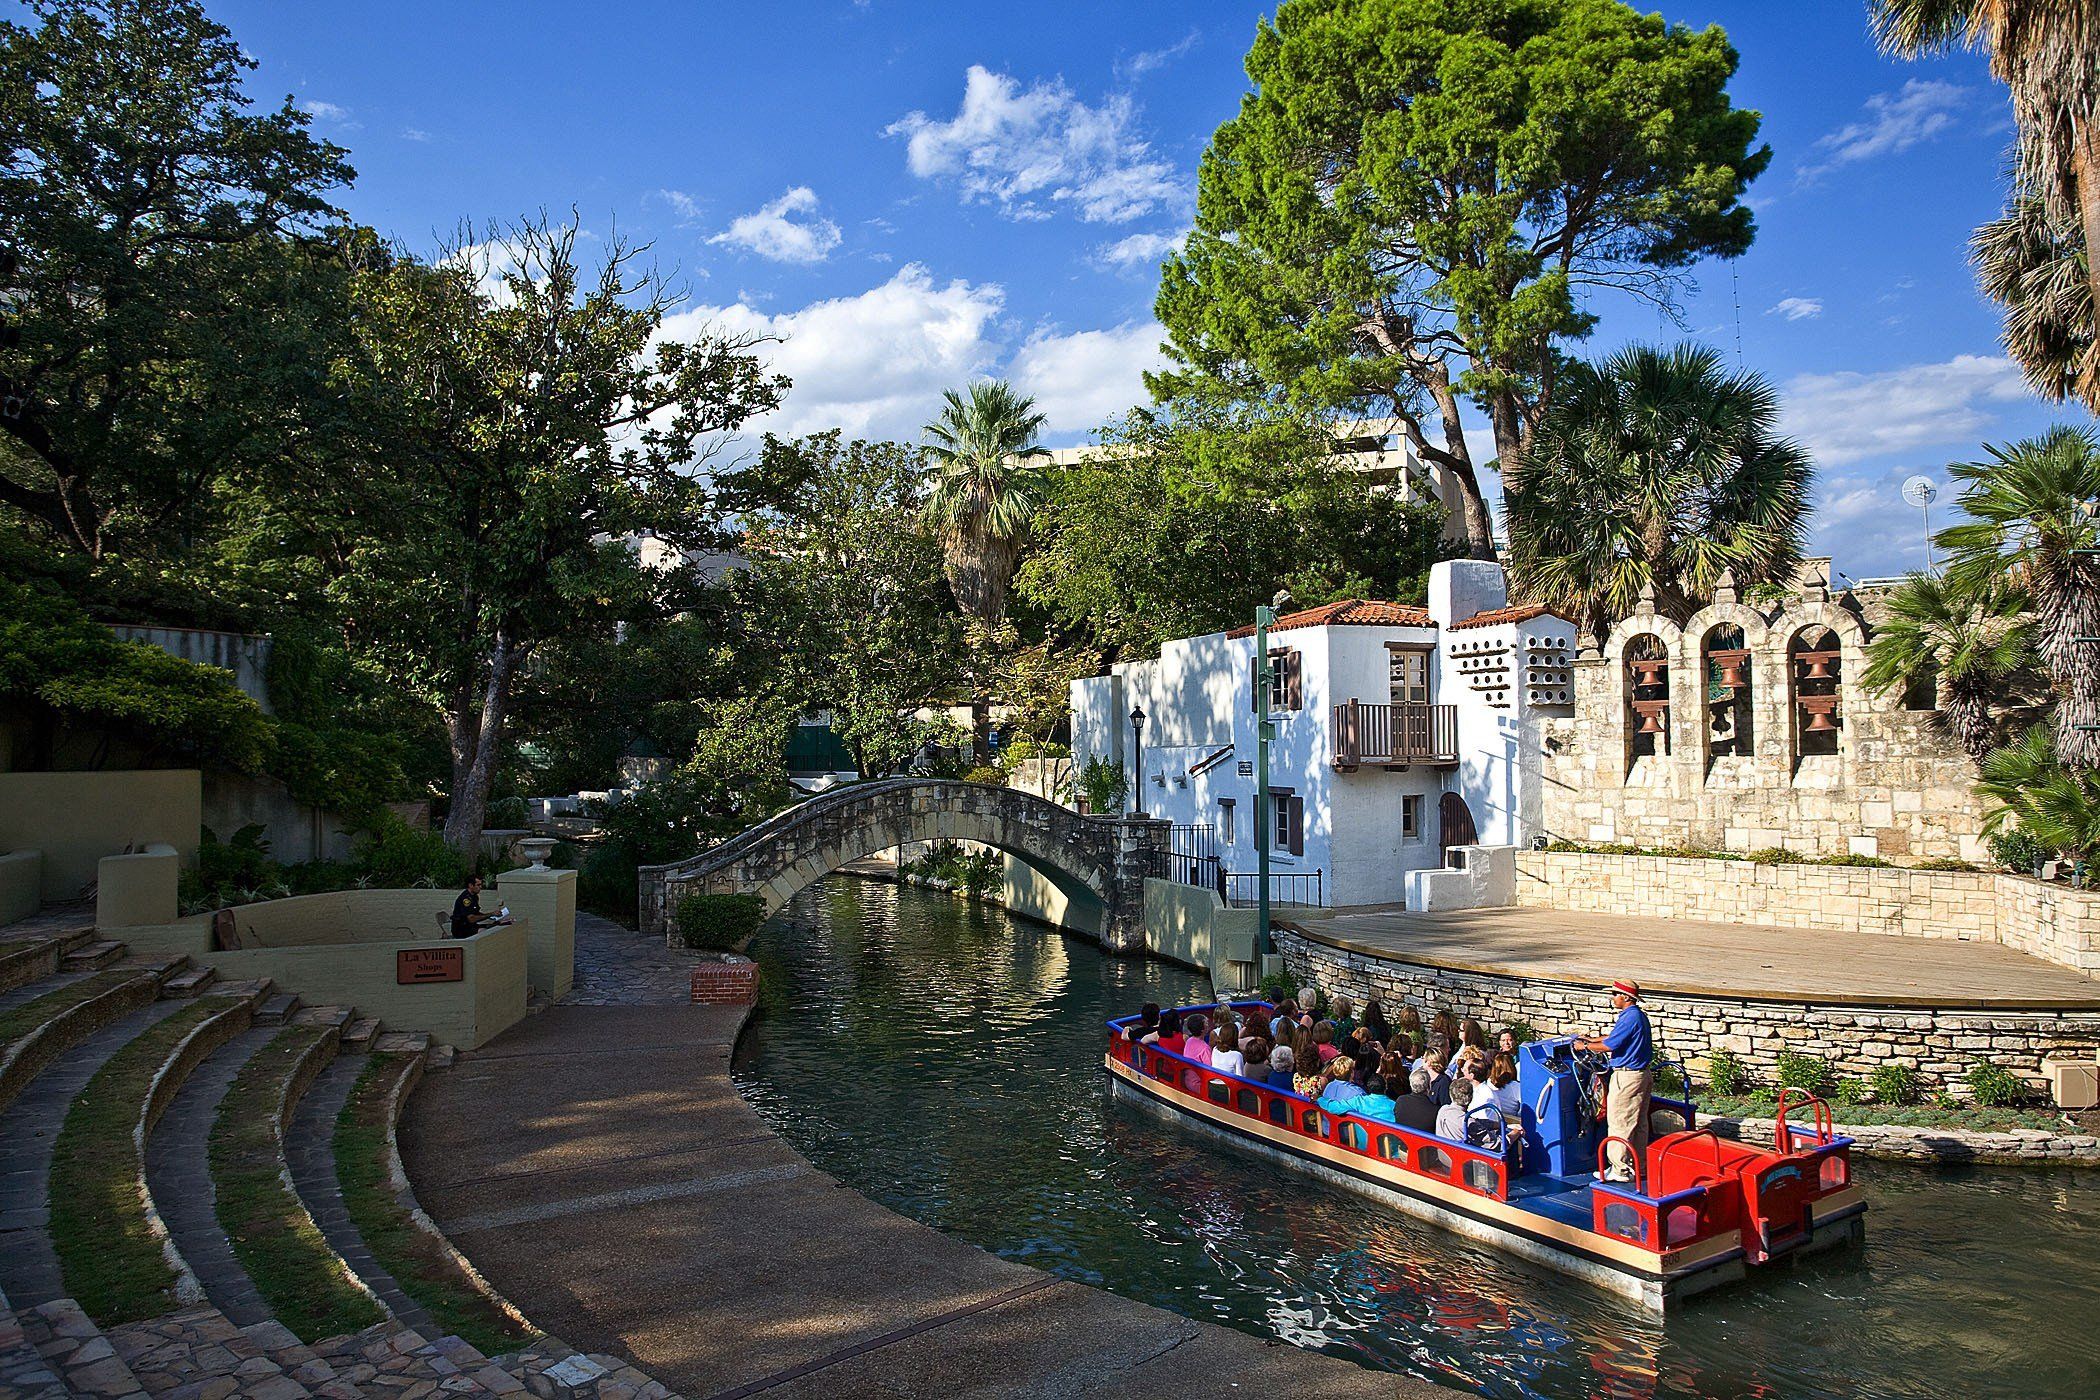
x=467, y=918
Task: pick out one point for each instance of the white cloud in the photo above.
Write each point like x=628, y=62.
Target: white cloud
x=682, y=204
x=873, y=364
x=1796, y=308
x=332, y=113
x=1849, y=416
x=776, y=232
x=1083, y=379
x=1139, y=250
x=1020, y=148
x=414, y=133
x=1147, y=60
x=1895, y=122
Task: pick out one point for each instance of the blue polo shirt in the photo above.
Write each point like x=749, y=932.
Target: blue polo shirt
x=1628, y=1040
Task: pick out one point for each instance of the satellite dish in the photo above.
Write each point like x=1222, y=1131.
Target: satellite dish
x=1920, y=492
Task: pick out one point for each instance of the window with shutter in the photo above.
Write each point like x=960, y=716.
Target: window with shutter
x=1286, y=681
x=1297, y=843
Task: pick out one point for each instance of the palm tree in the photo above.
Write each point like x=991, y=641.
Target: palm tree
x=985, y=488
x=982, y=451
x=2034, y=265
x=1969, y=643
x=1655, y=469
x=2048, y=53
x=2030, y=522
x=2058, y=807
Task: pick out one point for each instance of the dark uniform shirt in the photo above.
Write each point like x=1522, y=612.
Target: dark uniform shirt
x=466, y=914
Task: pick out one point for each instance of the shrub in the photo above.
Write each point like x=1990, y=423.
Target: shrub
x=1669, y=1080
x=1810, y=1072
x=1994, y=1086
x=2017, y=850
x=1851, y=1090
x=1279, y=987
x=1104, y=786
x=1728, y=1075
x=1897, y=1084
x=608, y=881
x=1772, y=855
x=398, y=856
x=991, y=775
x=1872, y=862
x=507, y=814
x=725, y=921
x=982, y=872
x=1947, y=863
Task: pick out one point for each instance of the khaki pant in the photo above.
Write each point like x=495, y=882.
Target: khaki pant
x=1626, y=1116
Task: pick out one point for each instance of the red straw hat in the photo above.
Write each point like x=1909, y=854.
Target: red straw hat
x=1626, y=986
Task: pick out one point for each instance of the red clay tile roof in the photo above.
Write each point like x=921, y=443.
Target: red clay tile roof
x=1495, y=617
x=1348, y=612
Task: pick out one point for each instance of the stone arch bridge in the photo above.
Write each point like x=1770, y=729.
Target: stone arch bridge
x=1098, y=863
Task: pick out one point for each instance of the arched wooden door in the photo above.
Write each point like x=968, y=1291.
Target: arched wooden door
x=1454, y=824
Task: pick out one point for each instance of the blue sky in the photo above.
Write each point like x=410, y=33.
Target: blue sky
x=913, y=194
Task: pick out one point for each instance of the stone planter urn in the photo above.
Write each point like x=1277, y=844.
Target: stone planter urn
x=536, y=849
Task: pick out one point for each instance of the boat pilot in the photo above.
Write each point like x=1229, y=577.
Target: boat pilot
x=1632, y=1052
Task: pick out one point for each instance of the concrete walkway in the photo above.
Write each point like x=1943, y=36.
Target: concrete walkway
x=1706, y=959
x=598, y=1166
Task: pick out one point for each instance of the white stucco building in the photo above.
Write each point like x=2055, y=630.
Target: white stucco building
x=1400, y=732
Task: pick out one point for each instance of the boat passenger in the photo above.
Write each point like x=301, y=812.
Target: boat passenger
x=1363, y=1047
x=1197, y=1046
x=1410, y=1024
x=1451, y=1118
x=1225, y=1056
x=1256, y=1053
x=1415, y=1109
x=1147, y=1023
x=1323, y=1042
x=1473, y=1034
x=1343, y=1017
x=1310, y=1078
x=1338, y=1089
x=1443, y=1033
x=1375, y=1103
x=1394, y=1063
x=1282, y=1064
x=1439, y=1079
x=1286, y=1016
x=1502, y=1087
x=1506, y=1042
x=1170, y=1035
x=1375, y=1022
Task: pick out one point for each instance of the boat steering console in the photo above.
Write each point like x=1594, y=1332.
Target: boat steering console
x=1563, y=1090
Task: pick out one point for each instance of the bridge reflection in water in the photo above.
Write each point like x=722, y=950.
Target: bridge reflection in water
x=944, y=1059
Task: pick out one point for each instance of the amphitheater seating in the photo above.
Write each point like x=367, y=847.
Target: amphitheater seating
x=212, y=1099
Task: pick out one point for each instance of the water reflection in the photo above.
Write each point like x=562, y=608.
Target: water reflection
x=944, y=1060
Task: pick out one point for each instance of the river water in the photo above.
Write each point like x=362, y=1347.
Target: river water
x=945, y=1060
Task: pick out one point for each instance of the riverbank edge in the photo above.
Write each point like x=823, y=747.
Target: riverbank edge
x=1892, y=1142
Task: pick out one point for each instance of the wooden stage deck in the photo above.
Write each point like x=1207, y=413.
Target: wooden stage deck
x=1747, y=961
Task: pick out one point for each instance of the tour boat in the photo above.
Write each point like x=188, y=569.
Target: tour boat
x=1702, y=1211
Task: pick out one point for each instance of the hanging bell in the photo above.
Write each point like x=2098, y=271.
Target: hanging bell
x=1818, y=664
x=1651, y=722
x=1821, y=722
x=1734, y=674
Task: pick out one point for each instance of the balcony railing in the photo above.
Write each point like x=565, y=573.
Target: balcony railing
x=1307, y=888
x=1394, y=735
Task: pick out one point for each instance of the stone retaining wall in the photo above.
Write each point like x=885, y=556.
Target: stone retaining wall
x=2046, y=921
x=2020, y=1147
x=1940, y=1045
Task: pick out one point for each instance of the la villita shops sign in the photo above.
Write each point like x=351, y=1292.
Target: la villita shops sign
x=417, y=965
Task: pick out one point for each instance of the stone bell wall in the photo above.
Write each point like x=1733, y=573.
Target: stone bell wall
x=1941, y=1045
x=1897, y=787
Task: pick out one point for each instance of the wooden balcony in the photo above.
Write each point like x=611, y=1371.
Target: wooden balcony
x=1394, y=736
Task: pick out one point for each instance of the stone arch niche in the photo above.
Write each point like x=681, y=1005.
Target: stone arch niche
x=1645, y=661
x=1816, y=679
x=1727, y=679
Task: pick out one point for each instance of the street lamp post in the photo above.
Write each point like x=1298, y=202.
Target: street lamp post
x=1264, y=733
x=1137, y=761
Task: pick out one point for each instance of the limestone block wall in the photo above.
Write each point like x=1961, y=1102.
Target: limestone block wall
x=2045, y=921
x=1896, y=786
x=1940, y=1045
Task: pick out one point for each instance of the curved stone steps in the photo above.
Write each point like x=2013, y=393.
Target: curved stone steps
x=26, y=992
x=29, y=1129
x=114, y=1250
x=178, y=1174
x=56, y=1021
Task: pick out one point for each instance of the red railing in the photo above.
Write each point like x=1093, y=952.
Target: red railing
x=1394, y=734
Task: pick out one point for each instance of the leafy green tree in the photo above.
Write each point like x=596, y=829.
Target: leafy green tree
x=2039, y=796
x=1970, y=644
x=2028, y=523
x=1655, y=469
x=532, y=410
x=1186, y=521
x=2047, y=52
x=1418, y=197
x=173, y=312
x=843, y=594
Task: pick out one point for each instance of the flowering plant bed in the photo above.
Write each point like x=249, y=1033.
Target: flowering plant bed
x=1965, y=1117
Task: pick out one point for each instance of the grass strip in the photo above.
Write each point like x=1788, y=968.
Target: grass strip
x=109, y=1255
x=423, y=1268
x=30, y=1014
x=284, y=1253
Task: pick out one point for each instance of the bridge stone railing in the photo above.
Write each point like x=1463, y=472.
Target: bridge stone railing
x=1107, y=857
